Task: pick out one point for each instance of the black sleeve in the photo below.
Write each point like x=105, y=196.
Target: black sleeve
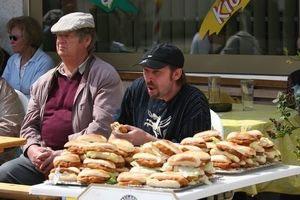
x=125, y=115
x=197, y=118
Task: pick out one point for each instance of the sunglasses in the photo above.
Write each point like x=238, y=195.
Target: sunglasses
x=13, y=37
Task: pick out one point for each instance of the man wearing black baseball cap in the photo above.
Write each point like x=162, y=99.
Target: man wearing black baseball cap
x=161, y=104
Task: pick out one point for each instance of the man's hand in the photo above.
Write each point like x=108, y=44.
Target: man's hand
x=135, y=135
x=42, y=157
x=37, y=154
x=47, y=164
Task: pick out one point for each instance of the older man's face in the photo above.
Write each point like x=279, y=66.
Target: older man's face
x=68, y=44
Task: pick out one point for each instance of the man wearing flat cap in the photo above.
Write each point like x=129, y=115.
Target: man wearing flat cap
x=161, y=104
x=80, y=96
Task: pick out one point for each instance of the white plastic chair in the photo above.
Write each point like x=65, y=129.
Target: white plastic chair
x=23, y=99
x=216, y=123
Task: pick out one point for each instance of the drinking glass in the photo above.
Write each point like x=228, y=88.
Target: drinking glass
x=247, y=89
x=214, y=89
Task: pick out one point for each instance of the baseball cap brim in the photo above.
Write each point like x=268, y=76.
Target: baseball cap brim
x=154, y=64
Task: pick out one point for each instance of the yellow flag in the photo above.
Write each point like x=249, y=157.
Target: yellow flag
x=219, y=14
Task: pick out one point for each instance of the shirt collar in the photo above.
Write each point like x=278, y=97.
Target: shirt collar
x=80, y=69
x=34, y=58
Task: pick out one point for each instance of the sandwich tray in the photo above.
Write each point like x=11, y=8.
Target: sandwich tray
x=142, y=187
x=245, y=170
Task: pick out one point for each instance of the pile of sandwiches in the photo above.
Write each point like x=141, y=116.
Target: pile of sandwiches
x=168, y=165
x=92, y=158
x=244, y=149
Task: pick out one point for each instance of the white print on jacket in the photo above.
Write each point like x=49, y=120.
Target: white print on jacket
x=158, y=126
x=107, y=3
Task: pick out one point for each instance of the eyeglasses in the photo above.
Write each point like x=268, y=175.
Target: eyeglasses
x=13, y=37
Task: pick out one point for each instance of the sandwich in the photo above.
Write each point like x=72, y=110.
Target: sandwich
x=123, y=147
x=189, y=158
x=131, y=178
x=101, y=147
x=76, y=146
x=225, y=159
x=67, y=160
x=235, y=149
x=209, y=136
x=64, y=174
x=191, y=165
x=92, y=137
x=167, y=147
x=148, y=160
x=260, y=156
x=239, y=155
x=119, y=128
x=105, y=165
x=221, y=161
x=167, y=180
x=146, y=163
x=122, y=169
x=266, y=142
x=149, y=147
x=184, y=148
x=257, y=147
x=195, y=141
x=273, y=155
x=255, y=133
x=241, y=138
x=87, y=176
x=230, y=156
x=110, y=156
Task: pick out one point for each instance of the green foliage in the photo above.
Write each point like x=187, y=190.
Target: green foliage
x=297, y=151
x=283, y=126
x=113, y=179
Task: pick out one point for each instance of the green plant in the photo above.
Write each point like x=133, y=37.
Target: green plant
x=297, y=151
x=291, y=58
x=284, y=126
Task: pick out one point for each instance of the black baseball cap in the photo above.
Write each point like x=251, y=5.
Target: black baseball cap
x=161, y=55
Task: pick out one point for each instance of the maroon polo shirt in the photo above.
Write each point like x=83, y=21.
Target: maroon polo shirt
x=57, y=121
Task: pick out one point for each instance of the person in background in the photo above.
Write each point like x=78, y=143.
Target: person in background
x=199, y=46
x=210, y=44
x=293, y=80
x=3, y=60
x=161, y=105
x=293, y=89
x=11, y=117
x=28, y=62
x=242, y=42
x=60, y=8
x=80, y=96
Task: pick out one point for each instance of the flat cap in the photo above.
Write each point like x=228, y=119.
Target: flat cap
x=73, y=21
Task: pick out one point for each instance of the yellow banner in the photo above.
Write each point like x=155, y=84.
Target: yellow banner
x=219, y=14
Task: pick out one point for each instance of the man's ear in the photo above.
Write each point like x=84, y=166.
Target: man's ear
x=177, y=74
x=87, y=41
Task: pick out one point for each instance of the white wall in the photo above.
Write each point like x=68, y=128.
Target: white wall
x=8, y=9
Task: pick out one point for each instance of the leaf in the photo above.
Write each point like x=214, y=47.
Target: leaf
x=112, y=180
x=285, y=51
